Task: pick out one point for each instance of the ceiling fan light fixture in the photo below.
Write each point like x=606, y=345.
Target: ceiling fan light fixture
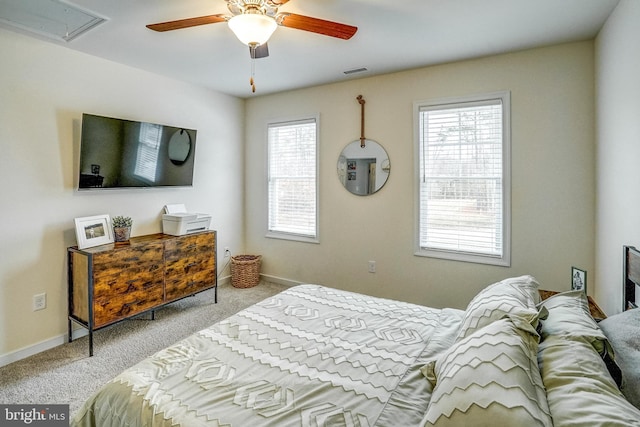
x=253, y=28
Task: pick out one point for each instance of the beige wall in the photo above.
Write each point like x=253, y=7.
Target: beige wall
x=553, y=182
x=44, y=89
x=618, y=153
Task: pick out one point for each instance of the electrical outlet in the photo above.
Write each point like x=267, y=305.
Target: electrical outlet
x=39, y=302
x=372, y=266
x=227, y=252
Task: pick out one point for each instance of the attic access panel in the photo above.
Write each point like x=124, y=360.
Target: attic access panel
x=50, y=18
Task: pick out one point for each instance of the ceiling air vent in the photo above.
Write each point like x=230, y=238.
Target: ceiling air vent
x=355, y=71
x=50, y=18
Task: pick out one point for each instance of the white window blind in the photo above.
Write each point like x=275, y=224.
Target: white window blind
x=463, y=192
x=292, y=168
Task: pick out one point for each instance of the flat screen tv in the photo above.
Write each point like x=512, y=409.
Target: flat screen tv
x=118, y=153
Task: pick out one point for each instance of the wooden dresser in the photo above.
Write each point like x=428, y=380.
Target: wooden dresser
x=113, y=282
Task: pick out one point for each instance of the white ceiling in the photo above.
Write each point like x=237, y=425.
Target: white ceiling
x=392, y=36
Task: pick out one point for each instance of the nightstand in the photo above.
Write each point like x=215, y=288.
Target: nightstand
x=596, y=311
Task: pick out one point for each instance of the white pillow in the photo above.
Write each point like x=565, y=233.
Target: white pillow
x=580, y=390
x=489, y=378
x=516, y=295
x=569, y=315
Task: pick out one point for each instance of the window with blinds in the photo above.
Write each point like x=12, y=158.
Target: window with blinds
x=292, y=175
x=463, y=148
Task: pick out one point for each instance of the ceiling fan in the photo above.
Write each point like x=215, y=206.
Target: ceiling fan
x=253, y=22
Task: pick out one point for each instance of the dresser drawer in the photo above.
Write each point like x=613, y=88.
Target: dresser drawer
x=189, y=265
x=142, y=279
x=189, y=246
x=180, y=286
x=140, y=297
x=127, y=259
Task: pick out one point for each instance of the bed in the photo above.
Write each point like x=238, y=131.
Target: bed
x=317, y=356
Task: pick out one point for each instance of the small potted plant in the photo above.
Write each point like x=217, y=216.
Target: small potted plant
x=121, y=228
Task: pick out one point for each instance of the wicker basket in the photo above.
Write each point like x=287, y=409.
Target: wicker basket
x=245, y=270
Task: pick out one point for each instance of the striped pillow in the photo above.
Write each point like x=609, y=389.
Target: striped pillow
x=489, y=378
x=517, y=295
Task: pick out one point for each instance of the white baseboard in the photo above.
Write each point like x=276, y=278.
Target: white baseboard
x=25, y=352
x=79, y=332
x=45, y=345
x=280, y=280
x=266, y=277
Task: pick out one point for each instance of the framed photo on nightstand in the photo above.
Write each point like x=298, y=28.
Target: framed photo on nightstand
x=578, y=279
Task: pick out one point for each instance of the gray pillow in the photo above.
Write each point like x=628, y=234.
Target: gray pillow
x=623, y=332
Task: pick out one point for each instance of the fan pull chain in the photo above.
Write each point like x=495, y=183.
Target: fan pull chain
x=253, y=72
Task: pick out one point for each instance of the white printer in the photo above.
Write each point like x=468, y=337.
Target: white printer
x=178, y=222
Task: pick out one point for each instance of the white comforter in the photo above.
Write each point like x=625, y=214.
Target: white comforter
x=310, y=356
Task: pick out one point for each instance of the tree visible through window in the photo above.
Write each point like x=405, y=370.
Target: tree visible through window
x=463, y=155
x=292, y=166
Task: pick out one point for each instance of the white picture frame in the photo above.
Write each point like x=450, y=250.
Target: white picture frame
x=93, y=231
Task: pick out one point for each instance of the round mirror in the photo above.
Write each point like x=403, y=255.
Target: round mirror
x=179, y=147
x=363, y=170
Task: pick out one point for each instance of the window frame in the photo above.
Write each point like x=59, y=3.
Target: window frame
x=284, y=235
x=505, y=259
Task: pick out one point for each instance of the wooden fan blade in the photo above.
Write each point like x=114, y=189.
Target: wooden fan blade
x=258, y=52
x=186, y=23
x=315, y=25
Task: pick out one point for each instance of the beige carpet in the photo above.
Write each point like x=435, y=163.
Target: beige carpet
x=67, y=375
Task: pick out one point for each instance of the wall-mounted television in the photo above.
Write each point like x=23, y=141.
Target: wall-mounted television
x=118, y=153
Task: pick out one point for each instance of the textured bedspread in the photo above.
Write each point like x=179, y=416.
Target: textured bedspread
x=310, y=356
